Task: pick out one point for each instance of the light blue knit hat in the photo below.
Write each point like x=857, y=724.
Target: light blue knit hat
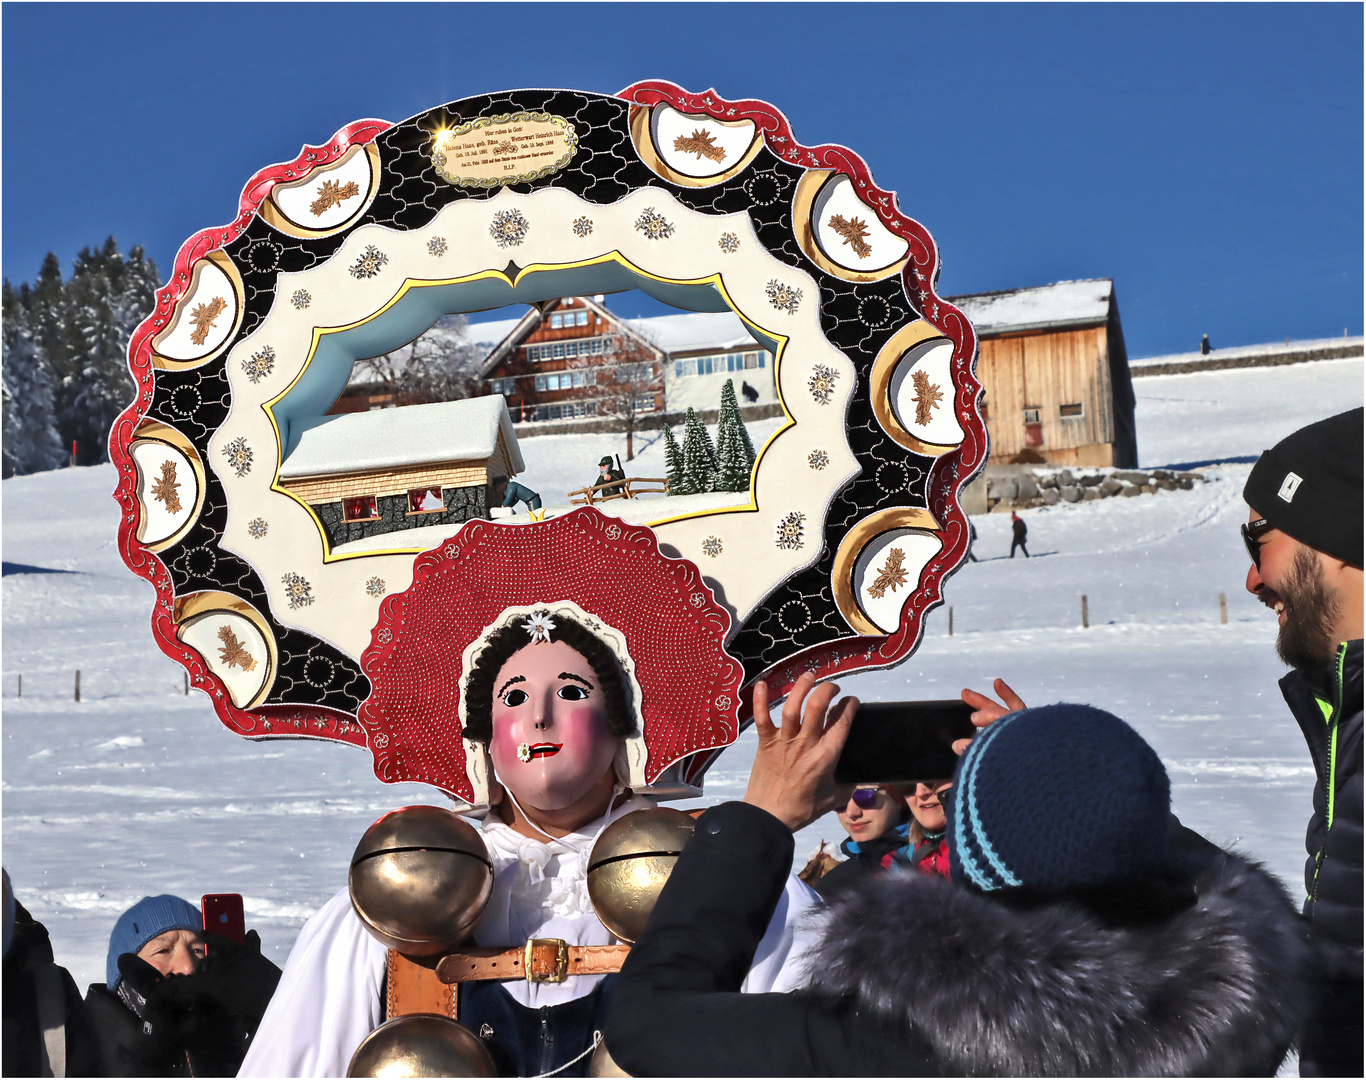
x=150, y=916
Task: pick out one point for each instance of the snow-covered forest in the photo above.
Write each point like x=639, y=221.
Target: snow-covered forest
x=65, y=355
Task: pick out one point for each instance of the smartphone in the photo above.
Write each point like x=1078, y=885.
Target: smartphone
x=899, y=742
x=223, y=915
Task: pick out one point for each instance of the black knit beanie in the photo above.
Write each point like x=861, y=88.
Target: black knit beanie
x=1309, y=486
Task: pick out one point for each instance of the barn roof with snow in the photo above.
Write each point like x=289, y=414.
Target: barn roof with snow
x=1043, y=307
x=472, y=429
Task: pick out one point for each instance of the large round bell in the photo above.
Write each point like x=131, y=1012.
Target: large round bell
x=422, y=1044
x=419, y=879
x=630, y=863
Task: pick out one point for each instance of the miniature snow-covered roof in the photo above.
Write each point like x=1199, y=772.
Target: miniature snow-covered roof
x=1064, y=303
x=693, y=331
x=473, y=429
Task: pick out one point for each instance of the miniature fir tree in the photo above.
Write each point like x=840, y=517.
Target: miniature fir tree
x=673, y=462
x=734, y=451
x=699, y=458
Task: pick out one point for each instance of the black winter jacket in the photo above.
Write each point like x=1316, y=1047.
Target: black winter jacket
x=1327, y=706
x=31, y=950
x=918, y=976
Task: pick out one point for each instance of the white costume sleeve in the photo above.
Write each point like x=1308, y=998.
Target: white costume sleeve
x=780, y=960
x=329, y=998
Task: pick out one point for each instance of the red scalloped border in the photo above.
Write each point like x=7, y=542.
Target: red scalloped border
x=292, y=721
x=949, y=472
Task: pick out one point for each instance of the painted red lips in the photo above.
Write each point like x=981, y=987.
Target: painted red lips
x=544, y=749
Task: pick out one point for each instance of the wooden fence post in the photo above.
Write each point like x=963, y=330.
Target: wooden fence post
x=78, y=684
x=21, y=686
x=187, y=682
x=1085, y=620
x=950, y=622
x=1223, y=610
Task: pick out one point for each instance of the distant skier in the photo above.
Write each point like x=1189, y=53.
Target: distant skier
x=1204, y=345
x=972, y=539
x=751, y=394
x=1018, y=531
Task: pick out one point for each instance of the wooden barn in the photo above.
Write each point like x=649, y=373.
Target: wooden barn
x=1056, y=374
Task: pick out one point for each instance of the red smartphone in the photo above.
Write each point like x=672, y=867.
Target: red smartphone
x=223, y=915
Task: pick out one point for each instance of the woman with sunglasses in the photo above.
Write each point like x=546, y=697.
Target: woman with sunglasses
x=878, y=822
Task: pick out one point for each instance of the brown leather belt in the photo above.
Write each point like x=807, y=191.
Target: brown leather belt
x=547, y=960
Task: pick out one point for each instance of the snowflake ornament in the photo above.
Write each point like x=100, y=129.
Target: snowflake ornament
x=711, y=547
x=818, y=459
x=729, y=243
x=436, y=246
x=298, y=591
x=822, y=383
x=239, y=456
x=582, y=226
x=368, y=263
x=783, y=297
x=653, y=224
x=375, y=586
x=509, y=228
x=259, y=364
x=257, y=528
x=790, y=531
x=301, y=299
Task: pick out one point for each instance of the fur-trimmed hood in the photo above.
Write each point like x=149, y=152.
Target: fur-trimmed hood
x=1053, y=988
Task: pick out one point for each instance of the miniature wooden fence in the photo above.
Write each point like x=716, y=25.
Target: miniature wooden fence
x=628, y=489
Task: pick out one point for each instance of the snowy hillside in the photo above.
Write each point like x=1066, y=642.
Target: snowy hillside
x=137, y=789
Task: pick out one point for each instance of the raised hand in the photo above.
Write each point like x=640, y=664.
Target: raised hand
x=793, y=774
x=986, y=710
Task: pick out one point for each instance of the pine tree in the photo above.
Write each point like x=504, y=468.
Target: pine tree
x=673, y=462
x=104, y=301
x=699, y=458
x=30, y=435
x=734, y=451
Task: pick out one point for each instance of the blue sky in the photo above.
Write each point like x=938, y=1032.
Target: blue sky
x=1206, y=157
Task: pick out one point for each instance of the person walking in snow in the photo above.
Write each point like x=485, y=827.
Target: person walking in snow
x=1018, y=532
x=972, y=540
x=1304, y=535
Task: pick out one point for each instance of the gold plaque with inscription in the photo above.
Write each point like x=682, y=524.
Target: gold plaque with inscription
x=508, y=149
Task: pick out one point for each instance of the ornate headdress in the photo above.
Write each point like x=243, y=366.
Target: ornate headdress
x=654, y=612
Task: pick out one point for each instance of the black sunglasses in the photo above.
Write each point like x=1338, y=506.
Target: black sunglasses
x=865, y=798
x=1253, y=531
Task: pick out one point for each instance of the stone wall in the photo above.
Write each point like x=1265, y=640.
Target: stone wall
x=461, y=505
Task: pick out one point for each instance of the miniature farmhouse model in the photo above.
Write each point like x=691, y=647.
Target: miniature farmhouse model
x=1056, y=374
x=376, y=472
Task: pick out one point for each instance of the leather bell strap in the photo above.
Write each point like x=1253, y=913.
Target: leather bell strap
x=413, y=986
x=549, y=960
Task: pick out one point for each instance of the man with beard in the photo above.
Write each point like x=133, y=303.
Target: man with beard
x=1304, y=533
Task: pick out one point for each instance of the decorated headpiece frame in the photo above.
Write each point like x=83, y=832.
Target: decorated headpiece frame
x=829, y=563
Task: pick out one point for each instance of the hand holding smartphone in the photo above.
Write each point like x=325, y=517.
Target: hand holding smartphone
x=223, y=915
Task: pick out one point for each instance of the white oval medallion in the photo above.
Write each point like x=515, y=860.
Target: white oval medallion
x=921, y=393
x=204, y=318
x=849, y=232
x=168, y=490
x=888, y=570
x=699, y=146
x=329, y=197
x=233, y=648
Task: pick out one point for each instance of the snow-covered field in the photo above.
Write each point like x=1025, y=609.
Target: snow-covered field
x=137, y=789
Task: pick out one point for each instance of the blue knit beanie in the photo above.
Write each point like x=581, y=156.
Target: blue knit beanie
x=1057, y=797
x=149, y=917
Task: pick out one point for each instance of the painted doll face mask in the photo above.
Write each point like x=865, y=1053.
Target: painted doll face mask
x=551, y=741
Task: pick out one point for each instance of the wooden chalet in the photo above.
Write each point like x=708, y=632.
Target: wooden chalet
x=1056, y=374
x=366, y=473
